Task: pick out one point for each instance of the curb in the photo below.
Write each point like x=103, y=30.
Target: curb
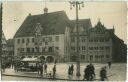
x=41, y=77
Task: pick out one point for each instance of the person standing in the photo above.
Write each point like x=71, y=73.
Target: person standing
x=92, y=71
x=69, y=71
x=72, y=69
x=45, y=68
x=103, y=74
x=41, y=69
x=109, y=64
x=54, y=71
x=38, y=69
x=87, y=73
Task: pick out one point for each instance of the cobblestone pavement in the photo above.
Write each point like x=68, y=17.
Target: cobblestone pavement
x=116, y=72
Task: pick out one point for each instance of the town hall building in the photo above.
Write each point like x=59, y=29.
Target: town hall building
x=52, y=36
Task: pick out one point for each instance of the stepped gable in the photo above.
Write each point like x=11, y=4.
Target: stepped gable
x=54, y=22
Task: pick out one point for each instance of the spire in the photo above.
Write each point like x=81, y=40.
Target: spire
x=99, y=23
x=45, y=9
x=29, y=14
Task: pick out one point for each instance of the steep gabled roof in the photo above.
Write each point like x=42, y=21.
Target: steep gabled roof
x=54, y=23
x=10, y=42
x=3, y=39
x=85, y=23
x=51, y=23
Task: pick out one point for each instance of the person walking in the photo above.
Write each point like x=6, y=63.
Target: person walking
x=72, y=69
x=103, y=74
x=38, y=69
x=109, y=64
x=54, y=71
x=92, y=71
x=45, y=68
x=87, y=73
x=41, y=69
x=69, y=71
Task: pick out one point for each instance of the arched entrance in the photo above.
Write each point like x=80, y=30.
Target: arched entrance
x=35, y=56
x=50, y=59
x=42, y=58
x=29, y=56
x=22, y=57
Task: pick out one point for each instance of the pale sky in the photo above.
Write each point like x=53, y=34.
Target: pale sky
x=110, y=13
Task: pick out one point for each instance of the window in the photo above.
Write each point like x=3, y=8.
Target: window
x=37, y=49
x=57, y=38
x=102, y=56
x=83, y=57
x=28, y=40
x=91, y=48
x=43, y=39
x=91, y=57
x=73, y=48
x=18, y=41
x=46, y=43
x=96, y=48
x=23, y=40
x=107, y=56
x=32, y=39
x=83, y=48
x=57, y=48
x=32, y=49
x=22, y=49
x=83, y=39
x=107, y=47
x=106, y=40
x=28, y=50
x=96, y=56
x=102, y=39
x=101, y=48
x=95, y=40
x=90, y=40
x=50, y=49
x=79, y=48
x=43, y=49
x=50, y=39
x=72, y=39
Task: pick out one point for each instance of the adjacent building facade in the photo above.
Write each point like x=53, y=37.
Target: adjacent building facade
x=52, y=36
x=95, y=43
x=4, y=46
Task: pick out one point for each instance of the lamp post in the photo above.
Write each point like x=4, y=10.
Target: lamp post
x=77, y=5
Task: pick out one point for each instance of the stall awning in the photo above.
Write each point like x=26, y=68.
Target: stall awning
x=30, y=59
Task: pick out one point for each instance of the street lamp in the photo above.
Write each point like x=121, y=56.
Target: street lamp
x=77, y=5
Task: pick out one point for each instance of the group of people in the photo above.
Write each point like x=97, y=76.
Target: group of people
x=89, y=72
x=70, y=70
x=42, y=69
